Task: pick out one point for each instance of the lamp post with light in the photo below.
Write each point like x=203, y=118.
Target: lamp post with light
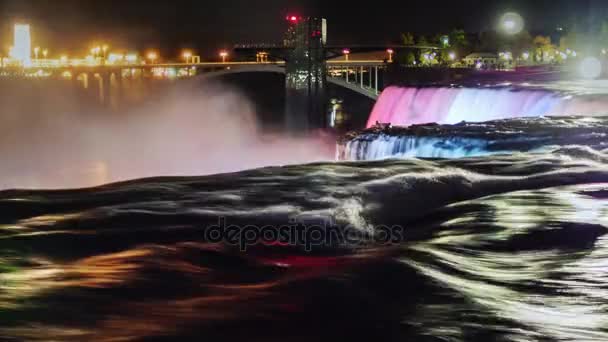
x=346, y=53
x=223, y=55
x=390, y=55
x=152, y=56
x=187, y=56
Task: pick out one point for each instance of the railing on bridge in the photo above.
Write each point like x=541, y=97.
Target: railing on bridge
x=361, y=76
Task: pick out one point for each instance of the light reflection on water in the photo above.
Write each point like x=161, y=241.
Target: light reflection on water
x=551, y=284
x=498, y=248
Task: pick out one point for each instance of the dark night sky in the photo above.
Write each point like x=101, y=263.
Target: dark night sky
x=72, y=25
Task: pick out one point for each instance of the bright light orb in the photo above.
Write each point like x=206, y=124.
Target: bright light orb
x=591, y=68
x=512, y=23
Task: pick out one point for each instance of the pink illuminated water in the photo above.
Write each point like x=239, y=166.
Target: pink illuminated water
x=404, y=106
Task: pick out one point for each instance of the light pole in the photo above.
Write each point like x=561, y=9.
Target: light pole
x=45, y=53
x=152, y=56
x=223, y=54
x=390, y=55
x=36, y=52
x=187, y=56
x=346, y=53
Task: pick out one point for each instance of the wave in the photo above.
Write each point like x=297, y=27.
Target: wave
x=503, y=247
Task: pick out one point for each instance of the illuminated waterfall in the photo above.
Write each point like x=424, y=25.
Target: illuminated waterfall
x=407, y=106
x=472, y=122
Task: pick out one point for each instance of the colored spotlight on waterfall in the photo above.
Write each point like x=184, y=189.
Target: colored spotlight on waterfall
x=511, y=23
x=591, y=68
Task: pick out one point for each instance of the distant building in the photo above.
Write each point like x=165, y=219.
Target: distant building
x=22, y=44
x=481, y=60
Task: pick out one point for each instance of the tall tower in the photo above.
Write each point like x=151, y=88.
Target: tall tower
x=22, y=44
x=306, y=74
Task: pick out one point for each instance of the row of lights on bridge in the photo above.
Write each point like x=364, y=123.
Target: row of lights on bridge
x=390, y=52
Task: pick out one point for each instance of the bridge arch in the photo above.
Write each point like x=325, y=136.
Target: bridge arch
x=274, y=68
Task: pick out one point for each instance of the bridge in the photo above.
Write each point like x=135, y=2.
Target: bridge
x=101, y=79
x=304, y=57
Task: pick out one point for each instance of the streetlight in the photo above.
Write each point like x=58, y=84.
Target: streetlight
x=346, y=52
x=152, y=56
x=512, y=23
x=187, y=55
x=223, y=54
x=390, y=55
x=36, y=52
x=63, y=59
x=45, y=53
x=452, y=56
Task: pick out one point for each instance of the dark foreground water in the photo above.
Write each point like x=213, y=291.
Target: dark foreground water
x=494, y=248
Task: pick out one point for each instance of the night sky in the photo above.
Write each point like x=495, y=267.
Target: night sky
x=72, y=25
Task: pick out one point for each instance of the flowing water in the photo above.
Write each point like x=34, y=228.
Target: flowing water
x=508, y=244
x=405, y=106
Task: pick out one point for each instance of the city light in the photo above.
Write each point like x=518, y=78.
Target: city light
x=45, y=53
x=525, y=55
x=187, y=55
x=390, y=55
x=223, y=55
x=512, y=23
x=346, y=52
x=452, y=56
x=507, y=56
x=152, y=56
x=114, y=58
x=131, y=58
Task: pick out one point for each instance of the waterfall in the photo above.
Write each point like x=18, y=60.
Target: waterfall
x=407, y=106
x=382, y=146
x=467, y=122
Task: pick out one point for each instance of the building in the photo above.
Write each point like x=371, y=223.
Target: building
x=481, y=60
x=22, y=45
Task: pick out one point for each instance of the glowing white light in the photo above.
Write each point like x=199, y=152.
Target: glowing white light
x=452, y=56
x=591, y=68
x=512, y=23
x=131, y=58
x=525, y=55
x=114, y=57
x=22, y=48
